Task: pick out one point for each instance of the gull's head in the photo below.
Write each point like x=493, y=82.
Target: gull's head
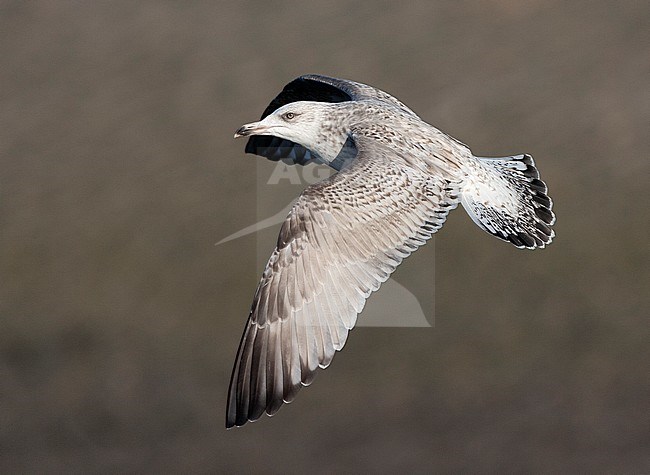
x=300, y=122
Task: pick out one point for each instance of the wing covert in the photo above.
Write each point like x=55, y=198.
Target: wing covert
x=342, y=239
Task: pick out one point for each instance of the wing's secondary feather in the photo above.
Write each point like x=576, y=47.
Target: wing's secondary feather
x=341, y=240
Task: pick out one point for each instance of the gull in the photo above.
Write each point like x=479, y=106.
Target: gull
x=397, y=179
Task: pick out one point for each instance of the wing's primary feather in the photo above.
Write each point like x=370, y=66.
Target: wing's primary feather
x=341, y=240
x=312, y=87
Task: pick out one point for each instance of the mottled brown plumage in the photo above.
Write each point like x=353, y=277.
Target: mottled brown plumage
x=399, y=178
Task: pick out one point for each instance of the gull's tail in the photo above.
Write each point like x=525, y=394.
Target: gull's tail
x=505, y=197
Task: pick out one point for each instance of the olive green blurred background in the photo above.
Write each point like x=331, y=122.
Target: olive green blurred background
x=118, y=172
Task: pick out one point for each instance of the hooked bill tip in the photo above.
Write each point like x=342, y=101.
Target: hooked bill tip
x=254, y=128
x=240, y=132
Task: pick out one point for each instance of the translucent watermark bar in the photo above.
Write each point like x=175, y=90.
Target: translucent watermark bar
x=395, y=304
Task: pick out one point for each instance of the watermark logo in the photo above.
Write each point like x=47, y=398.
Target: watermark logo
x=402, y=301
x=286, y=174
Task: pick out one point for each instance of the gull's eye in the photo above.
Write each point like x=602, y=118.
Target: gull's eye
x=288, y=115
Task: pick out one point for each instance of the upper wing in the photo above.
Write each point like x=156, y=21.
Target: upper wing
x=341, y=240
x=356, y=91
x=312, y=87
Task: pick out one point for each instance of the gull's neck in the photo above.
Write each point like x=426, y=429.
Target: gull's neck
x=334, y=133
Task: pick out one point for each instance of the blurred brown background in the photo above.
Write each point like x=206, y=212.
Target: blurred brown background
x=120, y=318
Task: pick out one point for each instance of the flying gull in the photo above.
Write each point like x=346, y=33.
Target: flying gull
x=398, y=178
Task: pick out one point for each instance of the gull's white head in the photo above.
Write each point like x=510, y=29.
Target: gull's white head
x=310, y=124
